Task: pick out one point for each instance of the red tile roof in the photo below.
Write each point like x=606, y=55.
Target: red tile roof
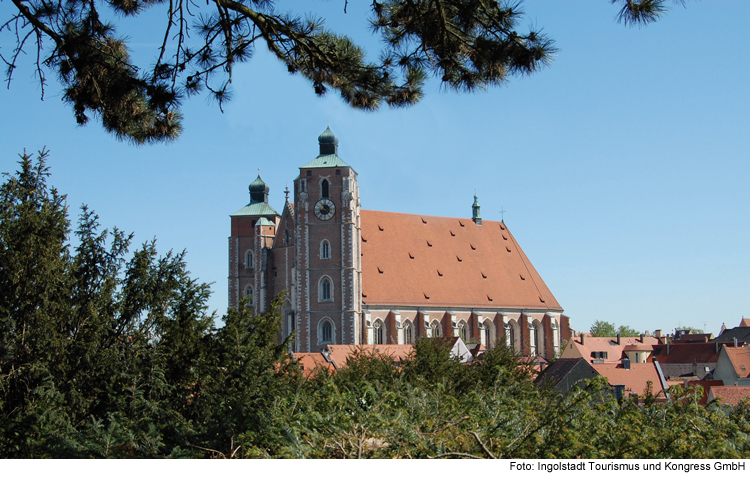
x=310, y=361
x=340, y=354
x=634, y=379
x=706, y=385
x=604, y=344
x=740, y=358
x=685, y=353
x=729, y=394
x=439, y=261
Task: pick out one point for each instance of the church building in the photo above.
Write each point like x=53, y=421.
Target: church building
x=354, y=276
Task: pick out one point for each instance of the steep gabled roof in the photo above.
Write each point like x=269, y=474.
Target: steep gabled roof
x=729, y=394
x=740, y=359
x=438, y=261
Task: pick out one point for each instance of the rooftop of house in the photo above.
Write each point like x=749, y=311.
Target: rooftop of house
x=731, y=395
x=308, y=362
x=634, y=379
x=339, y=354
x=686, y=353
x=561, y=367
x=740, y=333
x=740, y=359
x=606, y=349
x=440, y=261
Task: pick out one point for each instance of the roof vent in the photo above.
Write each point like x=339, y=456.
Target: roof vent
x=521, y=276
x=380, y=270
x=459, y=258
x=502, y=227
x=507, y=248
x=461, y=223
x=439, y=273
x=364, y=239
x=424, y=221
x=426, y=296
x=472, y=247
x=410, y=256
x=504, y=237
x=484, y=275
x=380, y=228
x=488, y=297
x=429, y=244
x=540, y=299
x=452, y=234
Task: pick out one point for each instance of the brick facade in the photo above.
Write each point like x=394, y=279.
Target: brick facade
x=313, y=251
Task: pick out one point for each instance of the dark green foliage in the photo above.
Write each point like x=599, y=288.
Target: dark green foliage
x=466, y=44
x=606, y=329
x=109, y=355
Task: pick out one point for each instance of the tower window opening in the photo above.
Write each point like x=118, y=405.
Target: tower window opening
x=324, y=188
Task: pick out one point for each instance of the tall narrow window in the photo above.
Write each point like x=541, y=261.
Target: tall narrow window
x=324, y=188
x=325, y=250
x=325, y=290
x=378, y=332
x=326, y=332
x=462, y=331
x=250, y=296
x=408, y=334
x=249, y=259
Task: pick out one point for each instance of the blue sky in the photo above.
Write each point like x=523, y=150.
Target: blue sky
x=622, y=168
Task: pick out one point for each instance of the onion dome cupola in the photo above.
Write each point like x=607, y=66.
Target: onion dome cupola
x=258, y=205
x=329, y=150
x=258, y=191
x=329, y=143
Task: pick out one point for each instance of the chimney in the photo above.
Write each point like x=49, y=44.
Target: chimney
x=618, y=338
x=735, y=341
x=641, y=337
x=657, y=333
x=581, y=338
x=626, y=363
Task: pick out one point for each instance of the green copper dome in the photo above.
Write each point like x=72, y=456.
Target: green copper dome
x=258, y=191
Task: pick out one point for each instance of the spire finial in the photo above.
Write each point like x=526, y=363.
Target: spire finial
x=286, y=192
x=502, y=214
x=475, y=209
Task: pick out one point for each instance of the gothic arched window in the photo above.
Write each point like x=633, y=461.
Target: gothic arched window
x=377, y=332
x=250, y=296
x=325, y=250
x=326, y=332
x=408, y=333
x=435, y=328
x=324, y=188
x=249, y=259
x=325, y=289
x=462, y=332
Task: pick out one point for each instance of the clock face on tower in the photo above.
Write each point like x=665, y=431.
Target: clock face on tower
x=324, y=209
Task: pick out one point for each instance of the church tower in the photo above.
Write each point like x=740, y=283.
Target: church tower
x=327, y=211
x=253, y=231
